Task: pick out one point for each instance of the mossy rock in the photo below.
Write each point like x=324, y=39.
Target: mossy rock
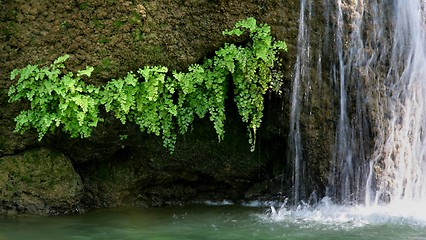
x=40, y=181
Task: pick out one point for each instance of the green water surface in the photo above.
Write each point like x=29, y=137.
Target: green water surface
x=197, y=222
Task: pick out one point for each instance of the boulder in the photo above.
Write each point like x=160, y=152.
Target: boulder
x=40, y=181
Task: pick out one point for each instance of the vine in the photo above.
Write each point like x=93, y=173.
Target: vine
x=159, y=102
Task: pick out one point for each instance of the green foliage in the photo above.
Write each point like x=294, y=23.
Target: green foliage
x=201, y=90
x=251, y=69
x=158, y=102
x=56, y=99
x=148, y=103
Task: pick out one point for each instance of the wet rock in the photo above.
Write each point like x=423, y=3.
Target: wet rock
x=40, y=181
x=143, y=173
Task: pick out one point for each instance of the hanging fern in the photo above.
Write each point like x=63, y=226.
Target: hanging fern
x=159, y=102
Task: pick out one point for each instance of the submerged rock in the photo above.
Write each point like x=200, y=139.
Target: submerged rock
x=40, y=181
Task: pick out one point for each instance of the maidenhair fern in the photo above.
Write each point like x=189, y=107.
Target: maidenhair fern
x=56, y=99
x=157, y=101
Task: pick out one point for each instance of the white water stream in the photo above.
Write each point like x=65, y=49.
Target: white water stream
x=379, y=76
x=402, y=151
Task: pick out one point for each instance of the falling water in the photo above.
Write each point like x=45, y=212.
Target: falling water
x=378, y=73
x=348, y=178
x=400, y=156
x=301, y=73
x=348, y=164
x=342, y=166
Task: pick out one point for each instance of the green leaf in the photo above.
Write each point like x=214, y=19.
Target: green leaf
x=61, y=60
x=88, y=71
x=14, y=73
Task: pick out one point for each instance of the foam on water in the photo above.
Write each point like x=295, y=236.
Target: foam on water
x=224, y=202
x=328, y=215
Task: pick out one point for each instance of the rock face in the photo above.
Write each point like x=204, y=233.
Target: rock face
x=141, y=172
x=119, y=165
x=40, y=181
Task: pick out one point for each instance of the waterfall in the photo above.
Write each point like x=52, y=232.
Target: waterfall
x=300, y=74
x=401, y=152
x=378, y=75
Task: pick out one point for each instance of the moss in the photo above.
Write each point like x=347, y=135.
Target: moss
x=104, y=39
x=117, y=24
x=40, y=175
x=98, y=23
x=135, y=18
x=8, y=30
x=64, y=25
x=26, y=178
x=10, y=187
x=137, y=35
x=103, y=52
x=106, y=66
x=153, y=49
x=83, y=5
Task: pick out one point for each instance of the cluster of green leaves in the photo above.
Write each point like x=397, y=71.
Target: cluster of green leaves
x=145, y=98
x=251, y=69
x=159, y=102
x=56, y=99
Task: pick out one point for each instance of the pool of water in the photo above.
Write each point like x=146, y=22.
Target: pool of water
x=217, y=222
